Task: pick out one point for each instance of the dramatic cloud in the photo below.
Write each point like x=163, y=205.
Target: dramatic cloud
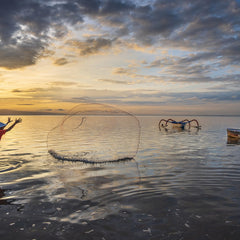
x=147, y=44
x=28, y=26
x=20, y=55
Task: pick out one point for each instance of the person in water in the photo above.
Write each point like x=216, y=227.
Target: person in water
x=3, y=125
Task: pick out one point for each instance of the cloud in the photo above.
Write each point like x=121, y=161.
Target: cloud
x=53, y=92
x=207, y=28
x=140, y=97
x=137, y=98
x=113, y=81
x=27, y=28
x=150, y=22
x=58, y=110
x=61, y=61
x=22, y=55
x=64, y=84
x=198, y=67
x=30, y=90
x=124, y=71
x=90, y=46
x=25, y=104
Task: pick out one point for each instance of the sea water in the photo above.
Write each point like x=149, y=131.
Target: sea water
x=180, y=185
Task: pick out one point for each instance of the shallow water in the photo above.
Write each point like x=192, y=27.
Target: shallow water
x=180, y=185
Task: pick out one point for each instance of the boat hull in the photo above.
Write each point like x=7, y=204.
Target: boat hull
x=178, y=125
x=233, y=133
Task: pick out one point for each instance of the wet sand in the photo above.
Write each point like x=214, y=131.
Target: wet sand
x=174, y=220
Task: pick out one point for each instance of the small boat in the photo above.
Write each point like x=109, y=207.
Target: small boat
x=181, y=124
x=233, y=133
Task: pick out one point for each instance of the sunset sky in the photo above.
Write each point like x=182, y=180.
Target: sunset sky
x=145, y=56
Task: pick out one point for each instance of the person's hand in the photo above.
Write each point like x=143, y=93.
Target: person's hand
x=18, y=120
x=9, y=120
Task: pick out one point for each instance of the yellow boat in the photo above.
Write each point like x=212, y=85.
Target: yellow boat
x=233, y=133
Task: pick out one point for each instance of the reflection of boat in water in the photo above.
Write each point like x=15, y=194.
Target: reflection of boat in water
x=184, y=124
x=233, y=133
x=235, y=141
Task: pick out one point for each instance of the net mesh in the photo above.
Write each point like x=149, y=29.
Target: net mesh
x=95, y=133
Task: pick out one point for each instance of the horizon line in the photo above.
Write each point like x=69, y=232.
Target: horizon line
x=164, y=114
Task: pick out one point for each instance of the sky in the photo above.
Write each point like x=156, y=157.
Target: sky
x=144, y=56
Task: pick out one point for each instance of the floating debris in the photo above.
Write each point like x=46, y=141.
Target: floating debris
x=148, y=230
x=187, y=225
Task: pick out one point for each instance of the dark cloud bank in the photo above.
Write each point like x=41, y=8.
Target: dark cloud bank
x=207, y=28
x=28, y=26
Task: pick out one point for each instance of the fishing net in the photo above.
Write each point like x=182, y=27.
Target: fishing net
x=95, y=133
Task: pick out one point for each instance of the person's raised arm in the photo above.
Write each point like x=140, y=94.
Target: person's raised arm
x=12, y=126
x=9, y=120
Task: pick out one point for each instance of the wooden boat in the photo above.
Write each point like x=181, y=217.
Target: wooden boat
x=233, y=133
x=181, y=124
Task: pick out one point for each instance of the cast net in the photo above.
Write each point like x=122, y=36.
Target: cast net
x=95, y=133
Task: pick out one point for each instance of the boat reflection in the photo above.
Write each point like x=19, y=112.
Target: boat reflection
x=173, y=130
x=231, y=140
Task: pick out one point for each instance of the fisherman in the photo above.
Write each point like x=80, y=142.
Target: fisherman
x=3, y=125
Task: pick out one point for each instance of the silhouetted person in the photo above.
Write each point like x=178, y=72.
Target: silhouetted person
x=3, y=125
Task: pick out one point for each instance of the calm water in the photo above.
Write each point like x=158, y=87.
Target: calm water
x=181, y=185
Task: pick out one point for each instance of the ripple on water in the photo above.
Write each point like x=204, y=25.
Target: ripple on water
x=7, y=165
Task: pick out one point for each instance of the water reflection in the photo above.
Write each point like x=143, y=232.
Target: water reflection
x=181, y=183
x=7, y=165
x=178, y=130
x=231, y=140
x=102, y=186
